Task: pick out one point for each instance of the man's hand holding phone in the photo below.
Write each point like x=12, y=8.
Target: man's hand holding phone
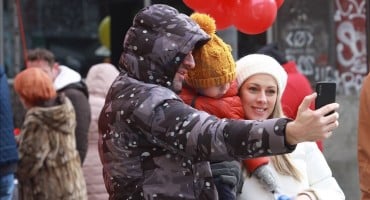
x=312, y=125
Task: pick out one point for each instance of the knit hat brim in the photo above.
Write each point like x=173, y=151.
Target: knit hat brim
x=260, y=64
x=211, y=81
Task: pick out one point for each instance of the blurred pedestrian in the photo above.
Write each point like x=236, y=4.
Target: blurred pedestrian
x=69, y=82
x=98, y=80
x=49, y=165
x=8, y=147
x=364, y=138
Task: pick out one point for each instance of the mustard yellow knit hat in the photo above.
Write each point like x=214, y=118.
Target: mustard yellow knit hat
x=214, y=63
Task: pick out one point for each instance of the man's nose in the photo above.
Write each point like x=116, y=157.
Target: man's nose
x=189, y=61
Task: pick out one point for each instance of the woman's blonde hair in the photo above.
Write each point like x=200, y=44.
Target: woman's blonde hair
x=34, y=86
x=283, y=163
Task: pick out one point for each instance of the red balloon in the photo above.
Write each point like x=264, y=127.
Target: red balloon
x=254, y=16
x=279, y=3
x=201, y=5
x=223, y=13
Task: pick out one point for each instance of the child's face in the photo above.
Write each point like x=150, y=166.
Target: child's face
x=259, y=95
x=216, y=91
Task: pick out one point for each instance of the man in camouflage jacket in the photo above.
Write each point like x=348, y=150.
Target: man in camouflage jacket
x=154, y=146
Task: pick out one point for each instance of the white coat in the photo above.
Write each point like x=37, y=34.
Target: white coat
x=316, y=176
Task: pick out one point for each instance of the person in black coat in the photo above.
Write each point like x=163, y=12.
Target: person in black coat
x=69, y=82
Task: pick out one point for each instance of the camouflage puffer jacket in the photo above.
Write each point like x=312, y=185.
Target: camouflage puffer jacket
x=154, y=146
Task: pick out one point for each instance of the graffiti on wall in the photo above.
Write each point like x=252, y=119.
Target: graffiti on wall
x=307, y=45
x=350, y=51
x=327, y=46
x=305, y=37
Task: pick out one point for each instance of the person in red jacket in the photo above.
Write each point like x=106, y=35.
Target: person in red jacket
x=212, y=87
x=298, y=86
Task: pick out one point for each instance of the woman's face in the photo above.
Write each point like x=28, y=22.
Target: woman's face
x=259, y=95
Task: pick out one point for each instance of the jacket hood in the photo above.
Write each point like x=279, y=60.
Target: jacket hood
x=60, y=117
x=99, y=78
x=65, y=77
x=157, y=42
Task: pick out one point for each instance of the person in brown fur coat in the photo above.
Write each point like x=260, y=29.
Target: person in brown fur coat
x=49, y=165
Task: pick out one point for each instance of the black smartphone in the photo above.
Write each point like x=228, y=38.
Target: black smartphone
x=326, y=92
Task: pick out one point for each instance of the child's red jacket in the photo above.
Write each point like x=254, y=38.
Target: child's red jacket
x=229, y=106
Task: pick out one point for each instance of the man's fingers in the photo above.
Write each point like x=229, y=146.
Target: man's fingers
x=331, y=127
x=331, y=118
x=307, y=101
x=328, y=108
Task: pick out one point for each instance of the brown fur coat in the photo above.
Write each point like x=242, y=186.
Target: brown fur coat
x=49, y=166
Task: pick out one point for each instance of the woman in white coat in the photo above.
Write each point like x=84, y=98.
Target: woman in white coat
x=301, y=175
x=98, y=80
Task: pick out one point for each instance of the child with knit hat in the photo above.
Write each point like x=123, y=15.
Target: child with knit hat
x=303, y=174
x=215, y=65
x=211, y=87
